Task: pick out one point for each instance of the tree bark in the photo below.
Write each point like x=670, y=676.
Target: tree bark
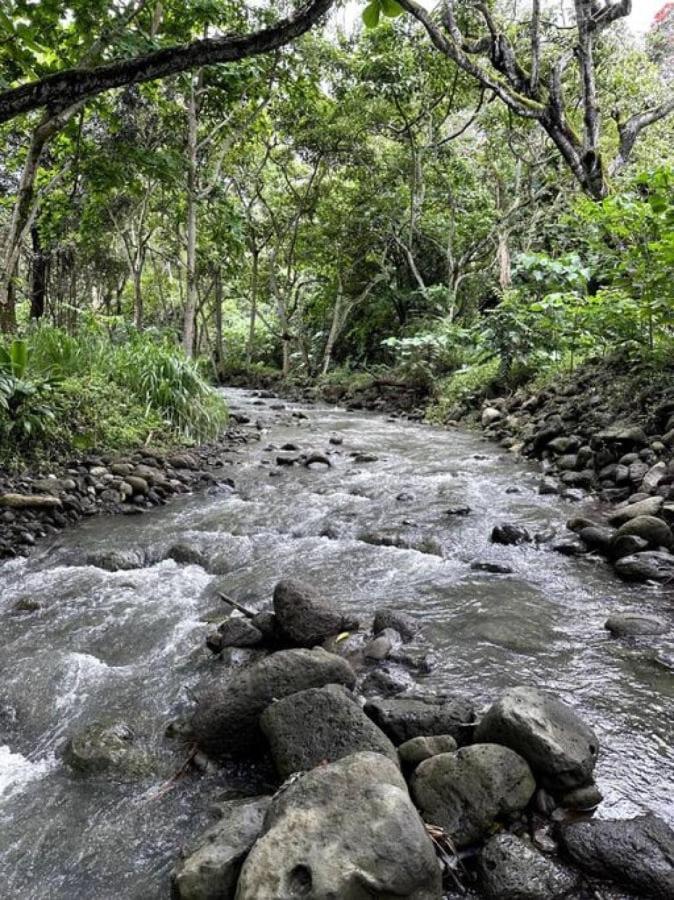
x=191, y=261
x=253, y=305
x=38, y=280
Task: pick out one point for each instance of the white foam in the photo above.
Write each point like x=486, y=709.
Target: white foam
x=16, y=771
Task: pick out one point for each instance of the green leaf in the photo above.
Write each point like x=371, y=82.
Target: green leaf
x=371, y=14
x=391, y=9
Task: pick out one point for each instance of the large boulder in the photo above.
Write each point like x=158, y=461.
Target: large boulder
x=345, y=830
x=653, y=565
x=402, y=718
x=226, y=719
x=649, y=528
x=211, y=866
x=511, y=869
x=637, y=853
x=649, y=507
x=319, y=725
x=418, y=749
x=560, y=748
x=467, y=791
x=510, y=534
x=634, y=625
x=304, y=616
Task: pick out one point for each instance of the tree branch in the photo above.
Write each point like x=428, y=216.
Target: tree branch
x=72, y=85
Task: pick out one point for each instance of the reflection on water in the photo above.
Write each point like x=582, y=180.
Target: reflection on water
x=129, y=645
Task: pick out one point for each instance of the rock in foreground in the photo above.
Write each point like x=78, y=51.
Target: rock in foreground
x=511, y=869
x=560, y=748
x=211, y=868
x=404, y=718
x=304, y=616
x=637, y=853
x=319, y=725
x=467, y=791
x=347, y=830
x=226, y=718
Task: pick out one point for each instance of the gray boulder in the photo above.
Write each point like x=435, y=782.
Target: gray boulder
x=560, y=748
x=211, y=866
x=633, y=625
x=107, y=749
x=304, y=616
x=239, y=632
x=653, y=565
x=598, y=538
x=346, y=830
x=403, y=718
x=648, y=507
x=226, y=719
x=319, y=725
x=417, y=749
x=649, y=528
x=116, y=560
x=467, y=791
x=511, y=869
x=637, y=853
x=406, y=626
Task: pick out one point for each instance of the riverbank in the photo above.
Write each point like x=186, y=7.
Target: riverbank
x=37, y=504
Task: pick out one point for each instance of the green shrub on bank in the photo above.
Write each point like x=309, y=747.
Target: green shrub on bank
x=101, y=388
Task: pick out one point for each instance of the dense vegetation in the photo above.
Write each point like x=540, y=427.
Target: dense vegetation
x=483, y=194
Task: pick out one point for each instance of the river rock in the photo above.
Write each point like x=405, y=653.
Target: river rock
x=211, y=866
x=417, y=749
x=239, y=632
x=490, y=416
x=650, y=566
x=510, y=534
x=628, y=435
x=384, y=644
x=626, y=545
x=406, y=626
x=649, y=507
x=637, y=853
x=319, y=725
x=649, y=528
x=346, y=830
x=598, y=538
x=403, y=718
x=467, y=791
x=304, y=616
x=511, y=869
x=30, y=501
x=116, y=560
x=633, y=625
x=106, y=749
x=226, y=718
x=560, y=748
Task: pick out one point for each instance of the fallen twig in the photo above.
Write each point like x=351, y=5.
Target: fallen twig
x=242, y=609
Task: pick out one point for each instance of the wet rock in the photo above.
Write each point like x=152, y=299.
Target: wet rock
x=267, y=624
x=317, y=459
x=137, y=484
x=304, y=616
x=570, y=546
x=510, y=534
x=512, y=869
x=633, y=625
x=458, y=511
x=649, y=528
x=403, y=718
x=548, y=486
x=187, y=555
x=628, y=436
x=344, y=830
x=583, y=798
x=626, y=545
x=226, y=719
x=406, y=626
x=467, y=791
x=29, y=501
x=560, y=748
x=637, y=853
x=27, y=605
x=285, y=459
x=319, y=725
x=211, y=866
x=385, y=642
x=386, y=681
x=654, y=477
x=116, y=560
x=239, y=632
x=417, y=749
x=598, y=538
x=649, y=566
x=483, y=565
x=648, y=507
x=106, y=749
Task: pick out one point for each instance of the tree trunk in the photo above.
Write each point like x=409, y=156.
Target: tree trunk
x=253, y=306
x=138, y=311
x=191, y=262
x=219, y=349
x=38, y=286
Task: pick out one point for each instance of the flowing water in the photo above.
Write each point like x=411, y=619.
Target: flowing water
x=130, y=645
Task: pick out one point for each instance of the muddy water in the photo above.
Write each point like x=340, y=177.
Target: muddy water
x=129, y=645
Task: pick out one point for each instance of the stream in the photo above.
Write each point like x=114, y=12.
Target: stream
x=129, y=645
